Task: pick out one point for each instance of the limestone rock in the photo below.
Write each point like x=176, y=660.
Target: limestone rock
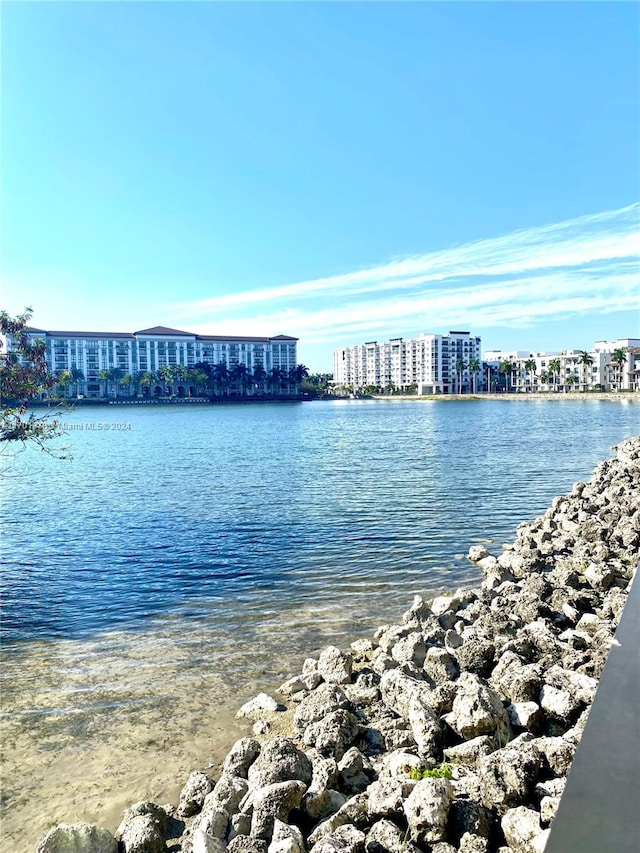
x=471, y=843
x=334, y=734
x=272, y=802
x=476, y=654
x=227, y=793
x=143, y=808
x=213, y=822
x=599, y=576
x=427, y=808
x=202, y=842
x=581, y=686
x=396, y=690
x=240, y=825
x=142, y=834
x=240, y=757
x=335, y=666
x=469, y=816
x=525, y=715
x=477, y=710
x=519, y=826
x=344, y=839
x=514, y=680
x=477, y=553
x=550, y=788
x=508, y=776
x=279, y=761
x=78, y=838
x=557, y=754
x=410, y=649
x=364, y=690
x=386, y=837
x=247, y=844
x=355, y=771
x=548, y=809
x=319, y=703
x=440, y=665
x=385, y=797
x=324, y=771
x=471, y=751
x=192, y=796
x=286, y=838
x=426, y=729
x=294, y=685
x=398, y=764
x=560, y=705
x=258, y=705
x=353, y=812
x=319, y=804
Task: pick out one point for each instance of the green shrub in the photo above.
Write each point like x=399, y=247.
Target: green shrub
x=443, y=771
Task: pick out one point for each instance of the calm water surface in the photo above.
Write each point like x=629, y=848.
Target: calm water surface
x=196, y=554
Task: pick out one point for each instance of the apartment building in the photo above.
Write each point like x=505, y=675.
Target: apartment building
x=567, y=370
x=431, y=363
x=90, y=353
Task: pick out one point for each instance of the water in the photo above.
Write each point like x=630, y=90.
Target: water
x=189, y=556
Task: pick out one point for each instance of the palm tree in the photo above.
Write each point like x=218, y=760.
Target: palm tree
x=179, y=374
x=506, y=368
x=221, y=374
x=571, y=380
x=147, y=379
x=474, y=368
x=136, y=378
x=554, y=369
x=618, y=357
x=63, y=380
x=276, y=378
x=259, y=377
x=460, y=367
x=166, y=376
x=125, y=382
x=530, y=366
x=77, y=376
x=490, y=379
x=297, y=374
x=240, y=374
x=198, y=377
x=105, y=376
x=207, y=369
x=115, y=375
x=585, y=360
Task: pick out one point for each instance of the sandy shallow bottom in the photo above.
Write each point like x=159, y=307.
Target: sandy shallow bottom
x=90, y=727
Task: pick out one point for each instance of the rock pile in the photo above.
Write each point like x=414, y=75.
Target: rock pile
x=453, y=730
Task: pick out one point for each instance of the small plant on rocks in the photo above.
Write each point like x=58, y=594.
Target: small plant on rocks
x=442, y=771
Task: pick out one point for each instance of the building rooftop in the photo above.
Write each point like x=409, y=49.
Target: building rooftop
x=164, y=330
x=159, y=331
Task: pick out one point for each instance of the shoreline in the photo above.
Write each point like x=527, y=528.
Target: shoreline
x=632, y=397
x=477, y=681
x=600, y=396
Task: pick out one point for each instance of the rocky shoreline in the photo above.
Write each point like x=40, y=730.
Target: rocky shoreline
x=451, y=731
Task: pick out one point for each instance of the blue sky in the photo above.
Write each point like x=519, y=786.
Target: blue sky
x=340, y=172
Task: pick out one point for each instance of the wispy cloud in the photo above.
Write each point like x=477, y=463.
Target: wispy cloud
x=589, y=264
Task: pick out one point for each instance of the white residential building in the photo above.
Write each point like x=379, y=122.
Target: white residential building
x=567, y=370
x=432, y=363
x=150, y=349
